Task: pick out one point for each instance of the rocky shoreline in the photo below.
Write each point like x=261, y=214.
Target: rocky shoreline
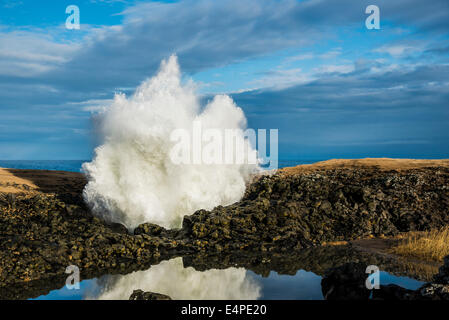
x=302, y=210
x=44, y=232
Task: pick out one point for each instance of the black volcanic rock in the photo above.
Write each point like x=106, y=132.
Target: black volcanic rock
x=297, y=211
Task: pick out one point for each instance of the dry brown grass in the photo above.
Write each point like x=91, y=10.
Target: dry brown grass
x=368, y=163
x=430, y=245
x=33, y=181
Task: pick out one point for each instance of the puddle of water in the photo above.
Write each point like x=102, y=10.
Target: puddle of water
x=405, y=282
x=171, y=278
x=86, y=288
x=302, y=286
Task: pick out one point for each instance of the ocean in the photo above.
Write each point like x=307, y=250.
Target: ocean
x=62, y=165
x=75, y=165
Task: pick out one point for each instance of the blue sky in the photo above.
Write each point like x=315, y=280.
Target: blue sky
x=309, y=68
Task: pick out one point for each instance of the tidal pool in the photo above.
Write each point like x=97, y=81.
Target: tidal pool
x=172, y=278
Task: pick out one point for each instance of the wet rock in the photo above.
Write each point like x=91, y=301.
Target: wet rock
x=141, y=295
x=434, y=291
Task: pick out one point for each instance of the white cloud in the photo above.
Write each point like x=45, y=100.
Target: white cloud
x=331, y=54
x=398, y=50
x=346, y=68
x=281, y=79
x=27, y=53
x=303, y=56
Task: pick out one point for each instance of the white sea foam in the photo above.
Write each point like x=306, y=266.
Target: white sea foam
x=132, y=179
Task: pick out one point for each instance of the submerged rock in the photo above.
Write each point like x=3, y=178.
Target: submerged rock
x=434, y=291
x=141, y=295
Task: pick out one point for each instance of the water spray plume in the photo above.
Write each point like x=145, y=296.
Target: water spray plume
x=132, y=180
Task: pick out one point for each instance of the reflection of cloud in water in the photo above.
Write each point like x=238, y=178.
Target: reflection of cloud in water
x=171, y=278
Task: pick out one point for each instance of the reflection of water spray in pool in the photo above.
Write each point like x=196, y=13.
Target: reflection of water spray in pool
x=132, y=180
x=171, y=278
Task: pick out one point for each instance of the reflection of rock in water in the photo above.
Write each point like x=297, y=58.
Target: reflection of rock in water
x=172, y=279
x=347, y=282
x=316, y=260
